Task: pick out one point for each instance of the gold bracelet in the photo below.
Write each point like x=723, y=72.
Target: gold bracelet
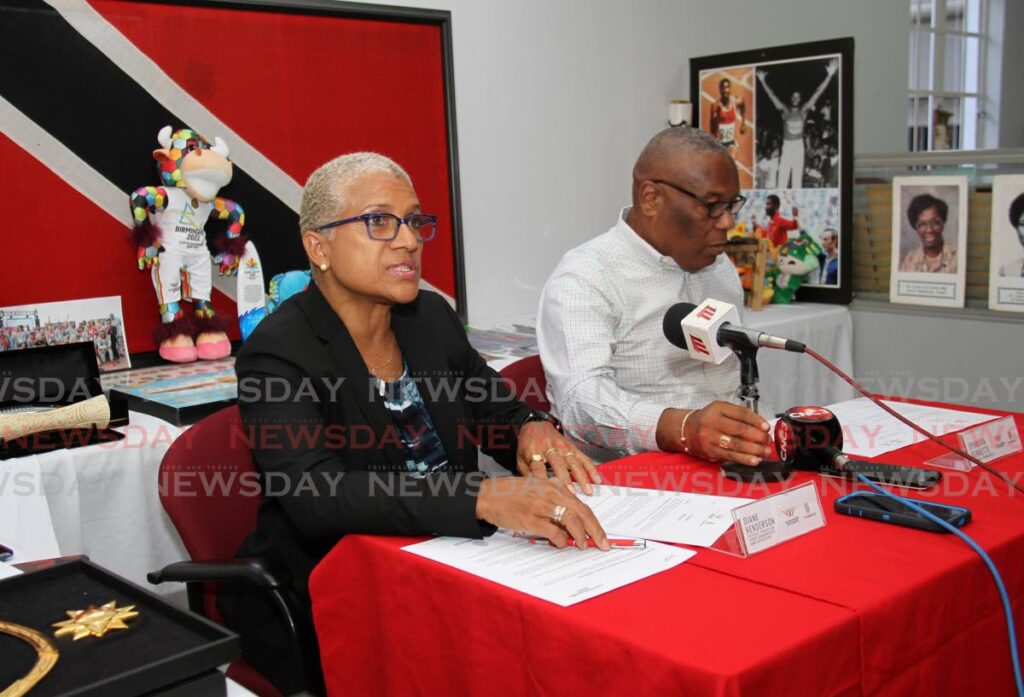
x=682, y=431
x=46, y=652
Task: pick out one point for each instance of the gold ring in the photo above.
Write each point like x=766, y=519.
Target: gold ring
x=536, y=457
x=569, y=453
x=724, y=442
x=548, y=452
x=559, y=511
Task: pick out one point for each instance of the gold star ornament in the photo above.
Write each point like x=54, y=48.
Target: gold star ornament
x=95, y=621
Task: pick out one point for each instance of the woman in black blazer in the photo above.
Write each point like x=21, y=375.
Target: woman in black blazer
x=365, y=404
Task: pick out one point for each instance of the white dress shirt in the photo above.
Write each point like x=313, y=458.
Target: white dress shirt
x=610, y=370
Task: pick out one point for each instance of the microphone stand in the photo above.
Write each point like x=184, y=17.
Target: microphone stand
x=748, y=394
x=769, y=470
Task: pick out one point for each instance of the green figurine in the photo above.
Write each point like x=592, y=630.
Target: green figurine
x=797, y=258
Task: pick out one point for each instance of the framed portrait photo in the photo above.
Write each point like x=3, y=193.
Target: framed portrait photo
x=1006, y=263
x=929, y=241
x=785, y=115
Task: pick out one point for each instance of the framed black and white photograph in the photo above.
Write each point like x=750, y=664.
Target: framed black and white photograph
x=1006, y=263
x=785, y=114
x=929, y=241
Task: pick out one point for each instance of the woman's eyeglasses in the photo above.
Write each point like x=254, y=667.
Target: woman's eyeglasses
x=385, y=226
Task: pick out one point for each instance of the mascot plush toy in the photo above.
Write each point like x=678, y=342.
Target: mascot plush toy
x=170, y=234
x=797, y=258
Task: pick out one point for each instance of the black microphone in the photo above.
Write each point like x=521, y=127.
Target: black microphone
x=810, y=438
x=728, y=334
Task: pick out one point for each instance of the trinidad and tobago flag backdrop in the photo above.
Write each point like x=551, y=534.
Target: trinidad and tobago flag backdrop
x=86, y=86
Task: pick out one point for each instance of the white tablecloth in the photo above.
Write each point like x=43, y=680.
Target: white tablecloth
x=787, y=379
x=101, y=500
x=791, y=379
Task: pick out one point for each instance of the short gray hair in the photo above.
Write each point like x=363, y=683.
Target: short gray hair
x=676, y=140
x=325, y=190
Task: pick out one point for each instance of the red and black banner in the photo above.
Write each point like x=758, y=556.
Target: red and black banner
x=87, y=86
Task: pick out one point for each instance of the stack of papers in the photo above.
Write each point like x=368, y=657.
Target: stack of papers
x=868, y=431
x=561, y=576
x=568, y=576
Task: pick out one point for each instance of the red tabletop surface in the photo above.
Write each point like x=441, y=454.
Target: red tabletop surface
x=855, y=608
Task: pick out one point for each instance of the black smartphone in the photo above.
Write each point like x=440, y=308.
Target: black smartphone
x=6, y=553
x=875, y=506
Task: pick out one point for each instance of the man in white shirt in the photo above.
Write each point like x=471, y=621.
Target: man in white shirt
x=616, y=383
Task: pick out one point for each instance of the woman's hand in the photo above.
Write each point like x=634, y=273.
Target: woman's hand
x=540, y=445
x=539, y=507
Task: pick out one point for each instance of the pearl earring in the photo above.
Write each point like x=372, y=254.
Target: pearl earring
x=323, y=267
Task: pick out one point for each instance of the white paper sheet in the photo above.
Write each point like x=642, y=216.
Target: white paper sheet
x=6, y=571
x=561, y=576
x=669, y=516
x=868, y=431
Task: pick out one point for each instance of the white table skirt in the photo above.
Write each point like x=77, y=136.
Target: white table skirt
x=787, y=379
x=791, y=379
x=102, y=501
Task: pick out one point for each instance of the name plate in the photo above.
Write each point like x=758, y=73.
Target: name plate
x=986, y=442
x=775, y=519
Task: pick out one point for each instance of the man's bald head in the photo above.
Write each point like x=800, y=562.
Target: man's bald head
x=669, y=148
x=678, y=176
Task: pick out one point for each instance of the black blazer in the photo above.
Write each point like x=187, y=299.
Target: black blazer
x=328, y=449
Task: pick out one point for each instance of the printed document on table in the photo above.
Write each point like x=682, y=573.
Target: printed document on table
x=868, y=431
x=561, y=576
x=6, y=570
x=669, y=516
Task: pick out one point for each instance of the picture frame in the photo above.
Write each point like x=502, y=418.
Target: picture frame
x=283, y=83
x=796, y=122
x=1006, y=255
x=99, y=321
x=929, y=265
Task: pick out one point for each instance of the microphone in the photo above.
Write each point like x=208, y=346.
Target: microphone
x=810, y=438
x=712, y=333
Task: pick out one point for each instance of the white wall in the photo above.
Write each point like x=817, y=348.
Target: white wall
x=555, y=98
x=942, y=357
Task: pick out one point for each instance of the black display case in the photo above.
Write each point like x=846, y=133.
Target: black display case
x=165, y=651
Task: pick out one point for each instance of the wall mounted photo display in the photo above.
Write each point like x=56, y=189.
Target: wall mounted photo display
x=929, y=241
x=99, y=320
x=1006, y=261
x=786, y=116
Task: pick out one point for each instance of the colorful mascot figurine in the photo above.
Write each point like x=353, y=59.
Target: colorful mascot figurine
x=797, y=258
x=170, y=234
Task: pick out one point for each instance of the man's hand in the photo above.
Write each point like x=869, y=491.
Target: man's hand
x=719, y=431
x=566, y=460
x=539, y=507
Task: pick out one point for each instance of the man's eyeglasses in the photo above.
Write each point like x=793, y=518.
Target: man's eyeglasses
x=716, y=209
x=385, y=226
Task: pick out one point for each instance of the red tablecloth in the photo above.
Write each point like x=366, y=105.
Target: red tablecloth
x=857, y=608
